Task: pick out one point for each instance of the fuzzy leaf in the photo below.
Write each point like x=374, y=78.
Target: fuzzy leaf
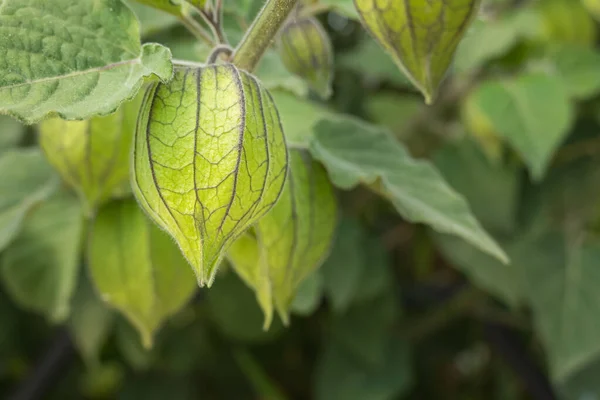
x=137, y=268
x=76, y=59
x=40, y=266
x=306, y=51
x=420, y=35
x=92, y=156
x=355, y=153
x=210, y=160
x=532, y=112
x=26, y=181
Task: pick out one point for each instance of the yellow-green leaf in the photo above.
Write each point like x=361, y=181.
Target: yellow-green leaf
x=293, y=238
x=421, y=35
x=92, y=156
x=306, y=51
x=136, y=268
x=209, y=160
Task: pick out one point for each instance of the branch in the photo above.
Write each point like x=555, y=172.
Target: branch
x=262, y=33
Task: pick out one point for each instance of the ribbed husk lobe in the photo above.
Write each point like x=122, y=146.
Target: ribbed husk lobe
x=209, y=159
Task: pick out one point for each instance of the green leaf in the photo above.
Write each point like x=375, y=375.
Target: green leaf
x=532, y=112
x=235, y=313
x=306, y=51
x=578, y=67
x=136, y=268
x=343, y=268
x=490, y=39
x=503, y=281
x=90, y=323
x=491, y=190
x=561, y=275
x=298, y=116
x=26, y=181
x=92, y=156
x=11, y=132
x=355, y=153
x=340, y=376
x=210, y=159
x=420, y=36
x=40, y=266
x=86, y=60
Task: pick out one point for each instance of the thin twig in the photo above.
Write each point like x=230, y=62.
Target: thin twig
x=196, y=29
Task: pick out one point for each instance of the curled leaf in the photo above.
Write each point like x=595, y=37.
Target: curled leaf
x=293, y=239
x=136, y=268
x=92, y=156
x=209, y=160
x=305, y=50
x=420, y=35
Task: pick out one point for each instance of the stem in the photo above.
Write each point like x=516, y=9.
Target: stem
x=261, y=33
x=196, y=29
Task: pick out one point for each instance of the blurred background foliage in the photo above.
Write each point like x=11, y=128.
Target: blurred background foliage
x=397, y=311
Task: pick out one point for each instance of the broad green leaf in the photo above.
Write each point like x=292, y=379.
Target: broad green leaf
x=503, y=281
x=86, y=60
x=210, y=159
x=272, y=73
x=491, y=190
x=136, y=268
x=11, y=132
x=344, y=267
x=339, y=375
x=577, y=66
x=40, y=267
x=487, y=40
x=293, y=239
x=27, y=180
x=306, y=51
x=355, y=153
x=92, y=156
x=90, y=323
x=298, y=117
x=297, y=234
x=532, y=112
x=235, y=312
x=421, y=36
x=394, y=111
x=561, y=276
